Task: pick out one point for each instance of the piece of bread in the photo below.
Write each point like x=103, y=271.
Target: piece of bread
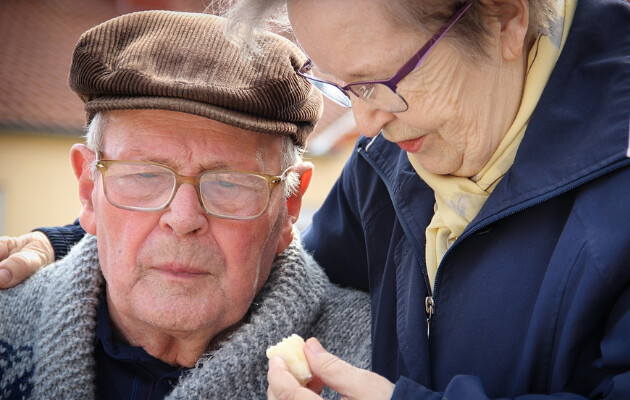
x=291, y=350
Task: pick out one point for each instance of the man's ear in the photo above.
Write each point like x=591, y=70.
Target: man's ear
x=82, y=158
x=514, y=18
x=294, y=205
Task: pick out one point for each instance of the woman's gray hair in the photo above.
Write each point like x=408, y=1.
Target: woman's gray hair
x=248, y=16
x=291, y=154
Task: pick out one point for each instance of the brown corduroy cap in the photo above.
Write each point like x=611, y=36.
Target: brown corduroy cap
x=183, y=62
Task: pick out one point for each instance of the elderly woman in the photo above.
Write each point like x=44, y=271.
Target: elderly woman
x=486, y=205
x=486, y=208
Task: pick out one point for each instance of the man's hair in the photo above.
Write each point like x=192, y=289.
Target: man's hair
x=291, y=153
x=469, y=34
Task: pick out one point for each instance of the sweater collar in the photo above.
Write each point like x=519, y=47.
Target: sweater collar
x=64, y=357
x=290, y=302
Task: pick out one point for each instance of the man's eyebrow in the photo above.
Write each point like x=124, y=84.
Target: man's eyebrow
x=199, y=166
x=178, y=164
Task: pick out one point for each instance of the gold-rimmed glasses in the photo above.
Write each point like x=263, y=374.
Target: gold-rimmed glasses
x=149, y=186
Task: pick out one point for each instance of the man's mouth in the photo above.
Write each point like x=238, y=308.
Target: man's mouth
x=180, y=271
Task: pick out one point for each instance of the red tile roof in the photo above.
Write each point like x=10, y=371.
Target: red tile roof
x=37, y=39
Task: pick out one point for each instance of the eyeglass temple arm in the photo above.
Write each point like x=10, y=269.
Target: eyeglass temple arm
x=422, y=53
x=274, y=180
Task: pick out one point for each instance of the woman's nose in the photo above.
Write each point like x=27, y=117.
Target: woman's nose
x=369, y=119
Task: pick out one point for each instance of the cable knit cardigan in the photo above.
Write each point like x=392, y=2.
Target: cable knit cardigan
x=47, y=330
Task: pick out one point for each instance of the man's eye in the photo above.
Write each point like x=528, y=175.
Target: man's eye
x=226, y=184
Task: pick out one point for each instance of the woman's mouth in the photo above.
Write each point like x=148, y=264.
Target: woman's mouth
x=411, y=146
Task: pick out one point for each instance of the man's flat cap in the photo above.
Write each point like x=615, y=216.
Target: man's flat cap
x=184, y=62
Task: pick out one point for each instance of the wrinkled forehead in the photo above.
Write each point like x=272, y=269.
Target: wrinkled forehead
x=352, y=43
x=187, y=141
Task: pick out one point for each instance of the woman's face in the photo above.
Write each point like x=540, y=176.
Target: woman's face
x=458, y=110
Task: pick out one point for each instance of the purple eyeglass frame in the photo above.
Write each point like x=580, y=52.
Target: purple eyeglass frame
x=413, y=63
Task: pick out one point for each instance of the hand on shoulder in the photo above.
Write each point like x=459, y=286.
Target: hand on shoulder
x=22, y=256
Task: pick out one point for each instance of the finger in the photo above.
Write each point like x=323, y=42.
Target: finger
x=349, y=381
x=5, y=277
x=282, y=384
x=23, y=256
x=316, y=385
x=16, y=268
x=7, y=244
x=39, y=243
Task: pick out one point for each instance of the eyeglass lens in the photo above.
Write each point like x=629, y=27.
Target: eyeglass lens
x=380, y=96
x=149, y=187
x=234, y=194
x=334, y=93
x=376, y=94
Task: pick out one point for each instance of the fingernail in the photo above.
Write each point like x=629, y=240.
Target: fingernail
x=275, y=362
x=314, y=346
x=5, y=276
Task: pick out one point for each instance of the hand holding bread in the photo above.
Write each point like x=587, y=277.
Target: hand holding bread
x=291, y=350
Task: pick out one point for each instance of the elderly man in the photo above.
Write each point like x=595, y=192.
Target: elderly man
x=190, y=184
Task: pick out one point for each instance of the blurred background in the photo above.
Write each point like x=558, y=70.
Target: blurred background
x=41, y=118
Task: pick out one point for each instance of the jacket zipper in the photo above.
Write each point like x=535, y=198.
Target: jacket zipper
x=429, y=307
x=429, y=301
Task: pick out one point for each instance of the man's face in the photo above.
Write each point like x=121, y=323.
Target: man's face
x=180, y=270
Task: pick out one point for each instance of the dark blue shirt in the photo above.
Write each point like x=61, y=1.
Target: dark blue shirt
x=125, y=371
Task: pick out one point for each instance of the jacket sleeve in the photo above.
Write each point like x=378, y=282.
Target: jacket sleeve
x=63, y=237
x=335, y=236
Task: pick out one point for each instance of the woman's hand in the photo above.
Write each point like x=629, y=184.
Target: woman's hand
x=351, y=382
x=21, y=257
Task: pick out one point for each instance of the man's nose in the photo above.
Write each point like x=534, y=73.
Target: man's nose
x=185, y=215
x=369, y=119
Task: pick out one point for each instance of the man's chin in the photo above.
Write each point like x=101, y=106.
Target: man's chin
x=175, y=319
x=173, y=306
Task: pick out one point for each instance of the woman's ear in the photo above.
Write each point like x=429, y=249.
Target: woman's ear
x=294, y=205
x=82, y=159
x=514, y=18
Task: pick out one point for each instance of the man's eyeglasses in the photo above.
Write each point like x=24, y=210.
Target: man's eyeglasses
x=148, y=186
x=380, y=94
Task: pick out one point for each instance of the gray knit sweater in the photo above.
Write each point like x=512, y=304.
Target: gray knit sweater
x=47, y=330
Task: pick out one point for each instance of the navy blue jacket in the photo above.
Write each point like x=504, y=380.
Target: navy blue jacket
x=534, y=296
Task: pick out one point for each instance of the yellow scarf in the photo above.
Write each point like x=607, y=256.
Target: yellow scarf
x=458, y=200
